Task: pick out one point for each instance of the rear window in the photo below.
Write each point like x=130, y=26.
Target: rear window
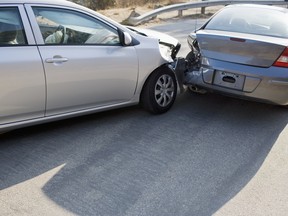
x=260, y=21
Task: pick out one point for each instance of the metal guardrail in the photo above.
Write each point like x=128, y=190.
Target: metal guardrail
x=184, y=6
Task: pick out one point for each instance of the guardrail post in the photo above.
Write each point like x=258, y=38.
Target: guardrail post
x=180, y=13
x=203, y=8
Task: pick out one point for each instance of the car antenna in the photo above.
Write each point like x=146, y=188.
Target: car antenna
x=196, y=21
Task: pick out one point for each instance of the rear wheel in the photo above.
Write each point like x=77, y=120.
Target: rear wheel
x=159, y=92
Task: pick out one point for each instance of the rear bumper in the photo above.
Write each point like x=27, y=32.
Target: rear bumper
x=262, y=84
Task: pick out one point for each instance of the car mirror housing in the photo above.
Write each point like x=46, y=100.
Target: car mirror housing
x=127, y=39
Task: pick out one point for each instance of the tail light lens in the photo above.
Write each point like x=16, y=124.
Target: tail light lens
x=282, y=61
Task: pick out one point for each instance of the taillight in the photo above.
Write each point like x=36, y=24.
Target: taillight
x=282, y=61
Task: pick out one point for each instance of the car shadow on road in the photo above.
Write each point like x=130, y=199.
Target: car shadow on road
x=189, y=161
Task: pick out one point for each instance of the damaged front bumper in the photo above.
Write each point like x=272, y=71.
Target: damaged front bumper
x=179, y=66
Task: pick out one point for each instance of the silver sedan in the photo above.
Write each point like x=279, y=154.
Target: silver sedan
x=59, y=59
x=242, y=51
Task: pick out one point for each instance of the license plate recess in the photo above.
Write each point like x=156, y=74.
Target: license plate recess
x=229, y=80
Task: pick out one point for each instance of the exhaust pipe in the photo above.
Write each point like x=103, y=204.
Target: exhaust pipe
x=196, y=89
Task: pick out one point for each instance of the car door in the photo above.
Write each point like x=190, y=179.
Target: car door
x=22, y=82
x=85, y=64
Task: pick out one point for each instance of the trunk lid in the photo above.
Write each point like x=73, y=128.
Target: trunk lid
x=241, y=48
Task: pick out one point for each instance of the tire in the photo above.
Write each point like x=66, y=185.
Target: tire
x=159, y=92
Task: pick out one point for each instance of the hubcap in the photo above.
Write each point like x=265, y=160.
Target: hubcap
x=164, y=90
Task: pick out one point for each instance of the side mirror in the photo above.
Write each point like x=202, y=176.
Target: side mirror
x=127, y=39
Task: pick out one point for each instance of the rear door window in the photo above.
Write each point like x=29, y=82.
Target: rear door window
x=11, y=27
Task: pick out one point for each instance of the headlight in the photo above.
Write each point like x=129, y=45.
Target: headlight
x=166, y=52
x=169, y=50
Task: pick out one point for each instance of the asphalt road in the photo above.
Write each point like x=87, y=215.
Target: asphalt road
x=209, y=155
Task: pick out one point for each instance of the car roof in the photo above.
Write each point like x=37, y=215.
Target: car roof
x=58, y=2
x=277, y=8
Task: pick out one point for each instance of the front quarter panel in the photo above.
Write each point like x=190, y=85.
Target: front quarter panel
x=149, y=58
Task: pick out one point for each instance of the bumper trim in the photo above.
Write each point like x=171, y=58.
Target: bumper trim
x=277, y=82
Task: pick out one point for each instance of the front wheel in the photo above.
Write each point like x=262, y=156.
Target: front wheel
x=159, y=92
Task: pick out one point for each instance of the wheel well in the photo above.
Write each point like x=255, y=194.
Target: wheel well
x=161, y=68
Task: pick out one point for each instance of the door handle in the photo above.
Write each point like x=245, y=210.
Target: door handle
x=56, y=59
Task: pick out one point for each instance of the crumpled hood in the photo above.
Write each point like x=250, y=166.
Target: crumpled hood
x=164, y=39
